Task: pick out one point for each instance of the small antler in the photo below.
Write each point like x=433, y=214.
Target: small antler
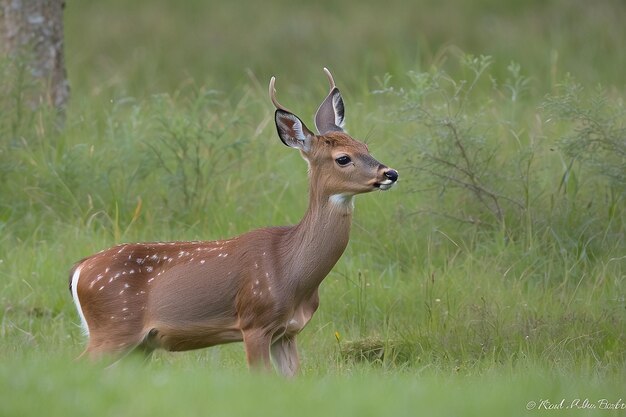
x=273, y=97
x=331, y=80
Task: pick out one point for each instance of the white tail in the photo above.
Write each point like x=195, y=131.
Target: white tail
x=260, y=288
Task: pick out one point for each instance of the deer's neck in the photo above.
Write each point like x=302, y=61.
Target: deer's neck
x=315, y=244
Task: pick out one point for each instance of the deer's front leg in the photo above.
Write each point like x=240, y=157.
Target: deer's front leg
x=257, y=345
x=285, y=355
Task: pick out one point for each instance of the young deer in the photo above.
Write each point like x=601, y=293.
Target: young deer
x=260, y=288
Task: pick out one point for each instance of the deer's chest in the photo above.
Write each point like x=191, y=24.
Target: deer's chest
x=302, y=315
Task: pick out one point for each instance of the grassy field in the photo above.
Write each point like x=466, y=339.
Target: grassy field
x=490, y=281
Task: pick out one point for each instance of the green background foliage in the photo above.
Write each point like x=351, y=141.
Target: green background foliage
x=492, y=275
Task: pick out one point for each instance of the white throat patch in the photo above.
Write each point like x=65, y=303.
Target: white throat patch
x=342, y=200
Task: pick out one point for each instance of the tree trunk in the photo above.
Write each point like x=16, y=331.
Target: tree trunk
x=32, y=31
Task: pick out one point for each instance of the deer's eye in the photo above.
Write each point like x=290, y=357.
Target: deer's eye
x=343, y=160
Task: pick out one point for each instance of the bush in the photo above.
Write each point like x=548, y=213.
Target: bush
x=469, y=143
x=480, y=158
x=596, y=126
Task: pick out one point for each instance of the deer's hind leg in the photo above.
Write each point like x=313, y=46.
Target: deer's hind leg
x=116, y=343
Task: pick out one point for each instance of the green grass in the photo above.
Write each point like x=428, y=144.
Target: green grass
x=441, y=305
x=174, y=388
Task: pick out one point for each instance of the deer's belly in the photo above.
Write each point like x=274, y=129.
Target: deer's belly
x=189, y=336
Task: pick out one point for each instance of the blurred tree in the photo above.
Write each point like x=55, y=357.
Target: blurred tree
x=31, y=31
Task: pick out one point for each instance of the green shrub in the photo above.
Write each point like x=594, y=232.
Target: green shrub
x=485, y=154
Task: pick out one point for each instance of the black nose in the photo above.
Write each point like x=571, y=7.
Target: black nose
x=392, y=174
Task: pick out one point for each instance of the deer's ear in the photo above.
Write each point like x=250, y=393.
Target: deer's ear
x=292, y=131
x=330, y=114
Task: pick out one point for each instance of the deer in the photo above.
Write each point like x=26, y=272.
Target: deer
x=260, y=287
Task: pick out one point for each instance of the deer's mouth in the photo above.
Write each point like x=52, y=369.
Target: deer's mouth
x=384, y=185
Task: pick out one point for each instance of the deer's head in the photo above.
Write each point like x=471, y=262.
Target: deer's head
x=339, y=165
